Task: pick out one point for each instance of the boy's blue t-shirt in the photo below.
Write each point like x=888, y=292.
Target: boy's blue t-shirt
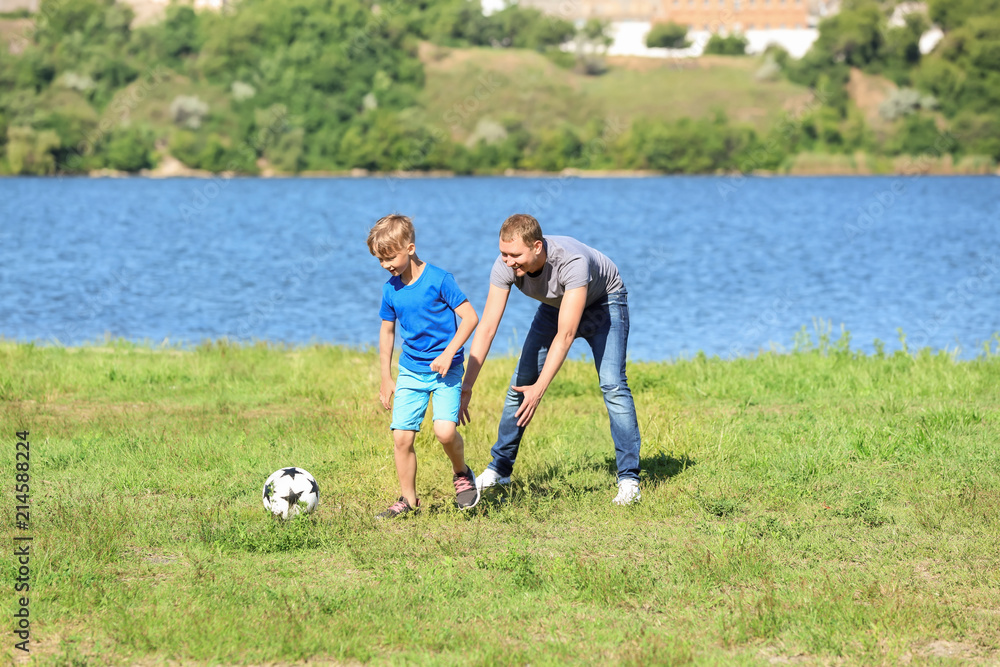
x=425, y=310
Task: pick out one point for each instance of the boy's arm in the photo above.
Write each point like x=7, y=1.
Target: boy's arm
x=469, y=320
x=570, y=312
x=386, y=340
x=496, y=303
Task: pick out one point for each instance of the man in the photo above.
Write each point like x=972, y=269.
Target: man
x=581, y=295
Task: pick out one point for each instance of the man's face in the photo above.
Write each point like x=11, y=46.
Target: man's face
x=522, y=257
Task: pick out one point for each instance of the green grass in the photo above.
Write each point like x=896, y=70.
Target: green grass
x=464, y=85
x=821, y=507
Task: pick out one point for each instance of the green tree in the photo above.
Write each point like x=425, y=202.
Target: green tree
x=977, y=134
x=727, y=45
x=30, y=152
x=952, y=14
x=919, y=135
x=854, y=35
x=668, y=35
x=129, y=149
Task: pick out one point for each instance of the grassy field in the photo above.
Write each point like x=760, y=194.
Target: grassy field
x=820, y=507
x=465, y=85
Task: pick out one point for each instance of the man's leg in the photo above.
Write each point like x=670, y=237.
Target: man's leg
x=529, y=366
x=605, y=327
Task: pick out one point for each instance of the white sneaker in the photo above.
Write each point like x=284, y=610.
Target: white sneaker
x=628, y=492
x=489, y=478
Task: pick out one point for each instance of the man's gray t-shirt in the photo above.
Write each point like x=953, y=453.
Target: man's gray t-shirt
x=568, y=264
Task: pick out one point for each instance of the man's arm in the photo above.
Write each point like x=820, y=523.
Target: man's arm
x=570, y=312
x=386, y=340
x=496, y=303
x=469, y=320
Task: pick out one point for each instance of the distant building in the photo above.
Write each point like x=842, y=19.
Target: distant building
x=610, y=10
x=713, y=15
x=788, y=23
x=930, y=38
x=19, y=5
x=145, y=10
x=739, y=15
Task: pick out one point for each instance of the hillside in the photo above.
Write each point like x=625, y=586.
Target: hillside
x=464, y=86
x=432, y=86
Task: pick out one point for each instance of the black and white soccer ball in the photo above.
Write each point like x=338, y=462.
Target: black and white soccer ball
x=290, y=491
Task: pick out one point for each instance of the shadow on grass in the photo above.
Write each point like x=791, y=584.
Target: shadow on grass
x=556, y=481
x=654, y=469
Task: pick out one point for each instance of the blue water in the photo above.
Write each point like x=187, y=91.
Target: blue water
x=723, y=265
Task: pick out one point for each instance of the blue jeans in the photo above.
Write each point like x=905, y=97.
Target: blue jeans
x=604, y=325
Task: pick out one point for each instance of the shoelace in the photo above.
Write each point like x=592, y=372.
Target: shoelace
x=463, y=483
x=398, y=506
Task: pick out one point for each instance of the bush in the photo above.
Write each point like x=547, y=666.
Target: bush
x=769, y=70
x=188, y=111
x=130, y=149
x=905, y=101
x=185, y=147
x=668, y=35
x=977, y=134
x=731, y=45
x=30, y=152
x=919, y=135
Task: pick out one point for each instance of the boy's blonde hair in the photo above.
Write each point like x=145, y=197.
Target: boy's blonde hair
x=521, y=226
x=390, y=235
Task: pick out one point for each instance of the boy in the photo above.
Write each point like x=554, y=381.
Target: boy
x=582, y=296
x=425, y=300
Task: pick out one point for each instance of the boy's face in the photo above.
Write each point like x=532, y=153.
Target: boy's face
x=398, y=262
x=521, y=257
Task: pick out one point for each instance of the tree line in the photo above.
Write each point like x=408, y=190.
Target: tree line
x=335, y=84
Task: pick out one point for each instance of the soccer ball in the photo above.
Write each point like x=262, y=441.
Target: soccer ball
x=290, y=491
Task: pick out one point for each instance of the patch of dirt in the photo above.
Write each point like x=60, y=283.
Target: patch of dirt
x=774, y=657
x=924, y=570
x=505, y=61
x=640, y=64
x=797, y=105
x=16, y=34
x=942, y=649
x=868, y=91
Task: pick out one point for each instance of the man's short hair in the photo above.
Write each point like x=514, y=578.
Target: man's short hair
x=390, y=235
x=521, y=226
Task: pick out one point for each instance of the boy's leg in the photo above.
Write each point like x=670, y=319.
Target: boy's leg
x=408, y=409
x=447, y=401
x=452, y=443
x=529, y=366
x=406, y=464
x=605, y=326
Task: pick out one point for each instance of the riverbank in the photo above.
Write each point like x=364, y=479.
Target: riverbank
x=801, y=165
x=804, y=164
x=822, y=506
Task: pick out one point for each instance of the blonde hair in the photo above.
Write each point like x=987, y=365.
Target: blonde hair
x=521, y=226
x=390, y=235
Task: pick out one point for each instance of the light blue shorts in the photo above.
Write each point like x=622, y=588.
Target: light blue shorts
x=413, y=392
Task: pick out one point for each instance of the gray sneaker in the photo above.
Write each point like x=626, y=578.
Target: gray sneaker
x=466, y=491
x=398, y=509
